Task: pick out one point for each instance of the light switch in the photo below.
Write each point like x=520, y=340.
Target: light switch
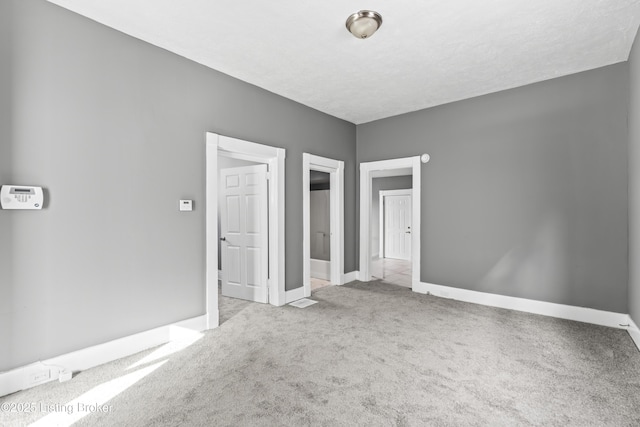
x=186, y=205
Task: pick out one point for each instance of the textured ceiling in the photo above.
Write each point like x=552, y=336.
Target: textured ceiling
x=427, y=52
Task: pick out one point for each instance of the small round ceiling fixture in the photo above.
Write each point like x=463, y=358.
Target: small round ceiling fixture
x=364, y=23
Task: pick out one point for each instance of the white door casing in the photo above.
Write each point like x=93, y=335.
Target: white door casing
x=244, y=233
x=397, y=226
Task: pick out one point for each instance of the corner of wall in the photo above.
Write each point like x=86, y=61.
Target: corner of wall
x=633, y=127
x=634, y=332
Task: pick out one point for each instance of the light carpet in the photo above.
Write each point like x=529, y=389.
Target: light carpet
x=373, y=354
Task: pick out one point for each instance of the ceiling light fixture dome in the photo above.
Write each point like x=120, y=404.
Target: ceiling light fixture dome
x=364, y=23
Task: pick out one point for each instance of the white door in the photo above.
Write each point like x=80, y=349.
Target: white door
x=244, y=233
x=397, y=227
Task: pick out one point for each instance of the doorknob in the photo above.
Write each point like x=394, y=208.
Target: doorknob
x=223, y=239
x=407, y=232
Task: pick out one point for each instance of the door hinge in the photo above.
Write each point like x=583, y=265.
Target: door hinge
x=268, y=175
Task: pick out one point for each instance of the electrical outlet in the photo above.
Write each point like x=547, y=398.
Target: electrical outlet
x=39, y=377
x=65, y=376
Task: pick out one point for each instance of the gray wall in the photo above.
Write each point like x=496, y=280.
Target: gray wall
x=6, y=236
x=634, y=183
x=320, y=222
x=377, y=185
x=114, y=129
x=526, y=191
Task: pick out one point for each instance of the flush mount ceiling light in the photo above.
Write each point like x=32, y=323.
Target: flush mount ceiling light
x=364, y=23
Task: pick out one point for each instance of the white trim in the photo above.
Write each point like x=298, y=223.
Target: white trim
x=350, y=277
x=211, y=232
x=294, y=295
x=367, y=172
x=335, y=168
x=580, y=314
x=220, y=145
x=381, y=195
x=80, y=360
x=634, y=332
x=320, y=269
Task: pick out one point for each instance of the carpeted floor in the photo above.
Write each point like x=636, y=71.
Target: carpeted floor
x=371, y=354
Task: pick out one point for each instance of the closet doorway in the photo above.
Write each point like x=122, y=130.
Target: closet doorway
x=323, y=221
x=320, y=229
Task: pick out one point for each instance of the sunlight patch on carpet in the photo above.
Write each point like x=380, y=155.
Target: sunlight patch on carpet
x=95, y=400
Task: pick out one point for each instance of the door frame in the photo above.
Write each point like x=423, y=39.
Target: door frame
x=393, y=167
x=383, y=194
x=335, y=169
x=274, y=158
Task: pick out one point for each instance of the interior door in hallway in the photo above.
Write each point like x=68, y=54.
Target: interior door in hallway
x=244, y=233
x=397, y=227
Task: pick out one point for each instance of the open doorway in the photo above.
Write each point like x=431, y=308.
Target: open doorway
x=272, y=159
x=391, y=229
x=319, y=229
x=243, y=221
x=323, y=216
x=403, y=226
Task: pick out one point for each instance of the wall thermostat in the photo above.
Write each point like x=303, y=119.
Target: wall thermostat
x=21, y=197
x=186, y=205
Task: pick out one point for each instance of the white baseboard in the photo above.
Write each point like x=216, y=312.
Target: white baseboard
x=320, y=269
x=294, y=295
x=21, y=378
x=213, y=319
x=350, y=277
x=634, y=332
x=580, y=314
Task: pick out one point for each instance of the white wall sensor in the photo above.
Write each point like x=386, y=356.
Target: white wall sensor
x=21, y=197
x=186, y=205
